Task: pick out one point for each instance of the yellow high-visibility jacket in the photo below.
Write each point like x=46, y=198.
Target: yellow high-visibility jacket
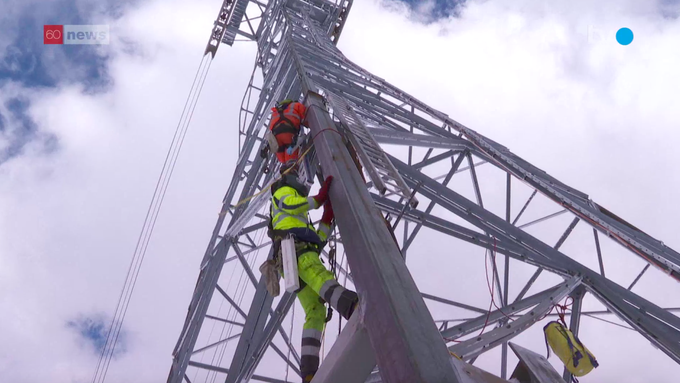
x=289, y=211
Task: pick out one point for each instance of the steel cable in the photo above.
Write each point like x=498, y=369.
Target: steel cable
x=150, y=222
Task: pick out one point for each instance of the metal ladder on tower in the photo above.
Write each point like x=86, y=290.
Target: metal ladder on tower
x=380, y=169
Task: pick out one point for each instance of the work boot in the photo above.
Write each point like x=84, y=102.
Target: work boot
x=307, y=378
x=342, y=300
x=354, y=307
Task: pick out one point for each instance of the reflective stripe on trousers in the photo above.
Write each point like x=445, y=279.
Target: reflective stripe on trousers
x=319, y=281
x=309, y=354
x=340, y=298
x=315, y=315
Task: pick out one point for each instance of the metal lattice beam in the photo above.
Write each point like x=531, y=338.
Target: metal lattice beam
x=297, y=54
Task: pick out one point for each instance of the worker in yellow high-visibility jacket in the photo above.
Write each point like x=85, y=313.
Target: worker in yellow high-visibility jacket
x=290, y=204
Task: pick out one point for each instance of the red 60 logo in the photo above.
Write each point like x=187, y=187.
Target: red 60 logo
x=53, y=34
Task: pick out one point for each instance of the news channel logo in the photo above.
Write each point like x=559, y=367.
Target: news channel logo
x=76, y=34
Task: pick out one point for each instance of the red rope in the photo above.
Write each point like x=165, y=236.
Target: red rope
x=493, y=301
x=561, y=310
x=491, y=288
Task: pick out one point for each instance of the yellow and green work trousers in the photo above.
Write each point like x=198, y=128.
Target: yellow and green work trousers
x=319, y=286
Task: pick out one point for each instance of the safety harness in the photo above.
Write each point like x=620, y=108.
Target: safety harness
x=284, y=125
x=305, y=238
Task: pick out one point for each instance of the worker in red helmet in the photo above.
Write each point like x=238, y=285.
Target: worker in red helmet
x=285, y=122
x=290, y=205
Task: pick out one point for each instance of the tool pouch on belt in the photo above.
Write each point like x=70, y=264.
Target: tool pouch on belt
x=271, y=277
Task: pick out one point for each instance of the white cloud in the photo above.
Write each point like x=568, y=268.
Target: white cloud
x=599, y=116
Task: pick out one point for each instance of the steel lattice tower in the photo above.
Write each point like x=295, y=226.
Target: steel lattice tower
x=297, y=58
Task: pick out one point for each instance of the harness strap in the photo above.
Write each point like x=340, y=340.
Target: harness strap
x=575, y=356
x=284, y=125
x=593, y=361
x=302, y=235
x=547, y=347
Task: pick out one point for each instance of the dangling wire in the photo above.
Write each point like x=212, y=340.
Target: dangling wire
x=344, y=262
x=292, y=321
x=491, y=286
x=323, y=344
x=332, y=261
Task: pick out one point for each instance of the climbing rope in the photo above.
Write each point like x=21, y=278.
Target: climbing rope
x=292, y=321
x=332, y=261
x=266, y=188
x=561, y=309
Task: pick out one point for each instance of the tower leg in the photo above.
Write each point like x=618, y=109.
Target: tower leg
x=406, y=341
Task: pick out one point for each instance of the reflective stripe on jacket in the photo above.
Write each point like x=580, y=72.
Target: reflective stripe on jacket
x=289, y=209
x=294, y=112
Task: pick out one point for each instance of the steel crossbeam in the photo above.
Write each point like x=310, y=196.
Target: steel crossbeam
x=255, y=322
x=660, y=327
x=543, y=298
x=474, y=347
x=256, y=352
x=472, y=325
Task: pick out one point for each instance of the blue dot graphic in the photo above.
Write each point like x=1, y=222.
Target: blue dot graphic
x=624, y=36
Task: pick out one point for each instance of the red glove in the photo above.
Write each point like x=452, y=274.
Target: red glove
x=328, y=215
x=323, y=192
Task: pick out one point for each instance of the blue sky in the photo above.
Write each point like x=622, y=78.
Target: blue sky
x=25, y=129
x=439, y=8
x=94, y=330
x=30, y=64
